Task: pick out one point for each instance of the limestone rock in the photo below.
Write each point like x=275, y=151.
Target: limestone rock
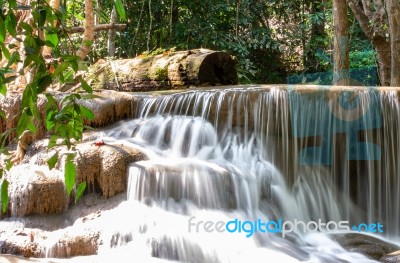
x=36, y=189
x=104, y=167
x=107, y=106
x=72, y=244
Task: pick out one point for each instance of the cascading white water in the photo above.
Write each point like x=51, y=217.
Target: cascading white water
x=255, y=153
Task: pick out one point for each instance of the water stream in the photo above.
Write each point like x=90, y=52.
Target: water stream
x=257, y=154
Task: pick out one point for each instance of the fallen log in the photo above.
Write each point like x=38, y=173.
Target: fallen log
x=80, y=29
x=169, y=70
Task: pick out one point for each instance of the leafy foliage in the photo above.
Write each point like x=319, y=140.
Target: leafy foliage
x=64, y=119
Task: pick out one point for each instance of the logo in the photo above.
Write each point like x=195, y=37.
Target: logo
x=284, y=227
x=323, y=112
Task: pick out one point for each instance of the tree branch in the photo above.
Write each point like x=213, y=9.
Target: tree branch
x=101, y=27
x=361, y=17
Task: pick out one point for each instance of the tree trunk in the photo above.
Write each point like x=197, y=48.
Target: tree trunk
x=55, y=5
x=383, y=53
x=365, y=12
x=170, y=70
x=88, y=35
x=341, y=61
x=393, y=11
x=111, y=34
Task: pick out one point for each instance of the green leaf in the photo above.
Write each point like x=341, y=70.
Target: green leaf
x=3, y=89
x=11, y=24
x=14, y=58
x=9, y=164
x=88, y=43
x=1, y=173
x=4, y=196
x=52, y=161
x=52, y=141
x=120, y=9
x=2, y=30
x=60, y=68
x=80, y=191
x=12, y=3
x=44, y=82
x=42, y=17
x=2, y=115
x=5, y=51
x=22, y=123
x=51, y=39
x=86, y=113
x=26, y=27
x=69, y=174
x=86, y=86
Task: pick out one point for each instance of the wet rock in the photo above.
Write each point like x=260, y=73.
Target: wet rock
x=393, y=257
x=369, y=246
x=36, y=189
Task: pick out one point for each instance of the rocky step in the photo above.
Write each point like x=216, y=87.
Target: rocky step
x=34, y=189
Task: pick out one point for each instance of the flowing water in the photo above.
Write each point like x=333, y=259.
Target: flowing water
x=259, y=154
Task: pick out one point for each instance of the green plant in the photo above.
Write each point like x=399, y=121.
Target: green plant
x=161, y=73
x=63, y=120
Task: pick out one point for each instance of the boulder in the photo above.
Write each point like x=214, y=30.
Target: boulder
x=104, y=167
x=391, y=258
x=36, y=189
x=369, y=246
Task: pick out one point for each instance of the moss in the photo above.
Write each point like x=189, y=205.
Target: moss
x=161, y=73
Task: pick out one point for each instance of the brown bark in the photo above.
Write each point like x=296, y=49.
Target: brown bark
x=111, y=33
x=365, y=13
x=383, y=52
x=170, y=70
x=393, y=11
x=341, y=61
x=101, y=27
x=55, y=4
x=88, y=34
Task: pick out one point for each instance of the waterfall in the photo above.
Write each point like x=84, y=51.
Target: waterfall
x=268, y=153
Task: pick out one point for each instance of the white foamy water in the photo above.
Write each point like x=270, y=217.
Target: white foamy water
x=250, y=154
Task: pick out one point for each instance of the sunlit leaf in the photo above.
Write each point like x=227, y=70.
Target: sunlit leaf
x=2, y=30
x=3, y=89
x=5, y=51
x=52, y=161
x=51, y=39
x=69, y=173
x=4, y=195
x=86, y=86
x=80, y=191
x=86, y=113
x=120, y=9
